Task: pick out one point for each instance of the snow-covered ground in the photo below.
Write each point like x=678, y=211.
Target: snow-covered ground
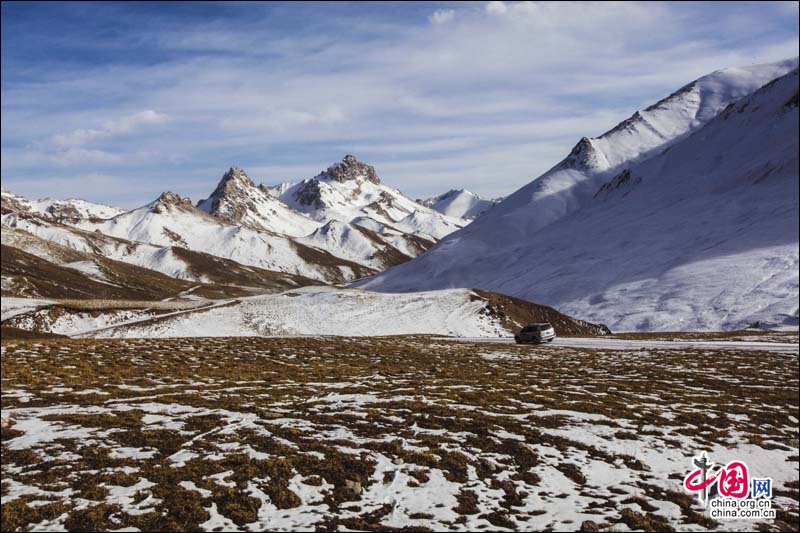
x=326, y=311
x=322, y=310
x=11, y=307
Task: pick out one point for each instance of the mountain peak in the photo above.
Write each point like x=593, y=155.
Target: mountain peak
x=584, y=155
x=349, y=168
x=233, y=183
x=238, y=200
x=169, y=198
x=235, y=176
x=458, y=203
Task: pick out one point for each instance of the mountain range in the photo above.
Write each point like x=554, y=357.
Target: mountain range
x=338, y=226
x=683, y=216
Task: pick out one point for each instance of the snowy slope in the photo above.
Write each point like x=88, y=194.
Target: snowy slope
x=459, y=203
x=70, y=210
x=428, y=224
x=158, y=258
x=357, y=244
x=573, y=182
x=351, y=190
x=238, y=200
x=348, y=312
x=327, y=311
x=702, y=235
x=134, y=268
x=172, y=220
x=11, y=307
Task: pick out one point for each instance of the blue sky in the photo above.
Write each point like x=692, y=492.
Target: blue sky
x=118, y=102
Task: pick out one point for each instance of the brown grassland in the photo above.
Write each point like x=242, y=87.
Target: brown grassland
x=379, y=433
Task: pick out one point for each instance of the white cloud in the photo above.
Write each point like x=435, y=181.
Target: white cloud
x=72, y=156
x=442, y=16
x=122, y=125
x=496, y=7
x=281, y=119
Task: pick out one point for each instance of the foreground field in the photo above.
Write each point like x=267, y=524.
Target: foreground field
x=380, y=433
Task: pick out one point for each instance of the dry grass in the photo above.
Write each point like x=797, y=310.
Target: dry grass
x=353, y=417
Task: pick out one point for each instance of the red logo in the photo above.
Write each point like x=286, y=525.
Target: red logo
x=732, y=480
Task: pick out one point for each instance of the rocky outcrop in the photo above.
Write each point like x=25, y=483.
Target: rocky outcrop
x=349, y=168
x=310, y=195
x=584, y=156
x=10, y=203
x=170, y=199
x=233, y=187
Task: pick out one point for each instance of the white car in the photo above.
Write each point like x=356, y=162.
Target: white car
x=536, y=333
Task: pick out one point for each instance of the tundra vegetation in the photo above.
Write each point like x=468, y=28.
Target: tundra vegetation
x=414, y=433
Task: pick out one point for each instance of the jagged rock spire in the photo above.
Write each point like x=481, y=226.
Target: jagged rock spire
x=234, y=177
x=348, y=169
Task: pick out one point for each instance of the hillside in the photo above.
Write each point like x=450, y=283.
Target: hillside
x=315, y=311
x=459, y=203
x=695, y=228
x=71, y=247
x=172, y=220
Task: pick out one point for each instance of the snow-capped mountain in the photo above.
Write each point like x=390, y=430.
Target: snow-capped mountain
x=239, y=201
x=342, y=225
x=358, y=244
x=351, y=192
x=71, y=210
x=573, y=182
x=459, y=203
x=92, y=253
x=247, y=224
x=682, y=217
x=172, y=220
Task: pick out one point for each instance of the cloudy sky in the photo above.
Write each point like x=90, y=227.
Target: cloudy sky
x=117, y=102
